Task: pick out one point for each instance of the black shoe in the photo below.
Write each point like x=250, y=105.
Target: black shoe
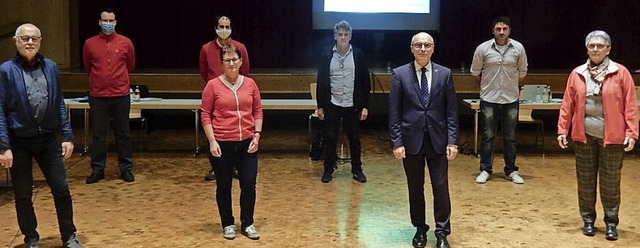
x=611, y=233
x=441, y=242
x=210, y=176
x=420, y=239
x=94, y=177
x=326, y=176
x=588, y=229
x=127, y=176
x=72, y=242
x=32, y=243
x=359, y=176
x=235, y=174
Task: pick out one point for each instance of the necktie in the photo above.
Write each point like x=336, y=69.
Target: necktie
x=424, y=88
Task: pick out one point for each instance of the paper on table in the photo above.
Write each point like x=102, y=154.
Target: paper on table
x=147, y=99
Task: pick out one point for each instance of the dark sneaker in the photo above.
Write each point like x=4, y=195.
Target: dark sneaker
x=210, y=176
x=94, y=177
x=127, y=176
x=326, y=176
x=359, y=176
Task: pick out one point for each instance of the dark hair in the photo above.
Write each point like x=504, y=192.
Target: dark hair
x=502, y=19
x=220, y=17
x=108, y=10
x=230, y=49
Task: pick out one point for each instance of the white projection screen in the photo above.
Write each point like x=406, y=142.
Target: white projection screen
x=378, y=14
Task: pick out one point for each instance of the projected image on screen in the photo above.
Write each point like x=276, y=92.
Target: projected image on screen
x=420, y=15
x=378, y=6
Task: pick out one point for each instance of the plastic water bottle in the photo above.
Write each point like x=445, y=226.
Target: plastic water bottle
x=131, y=95
x=538, y=94
x=545, y=95
x=136, y=97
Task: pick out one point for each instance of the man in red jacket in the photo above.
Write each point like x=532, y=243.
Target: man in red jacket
x=211, y=66
x=108, y=59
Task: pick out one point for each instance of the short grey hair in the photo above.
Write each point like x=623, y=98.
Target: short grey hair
x=598, y=34
x=342, y=25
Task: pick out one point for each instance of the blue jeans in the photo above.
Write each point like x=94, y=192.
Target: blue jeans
x=492, y=114
x=46, y=151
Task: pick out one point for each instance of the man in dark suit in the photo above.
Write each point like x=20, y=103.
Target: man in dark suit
x=423, y=127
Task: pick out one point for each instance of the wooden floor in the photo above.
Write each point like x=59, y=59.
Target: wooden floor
x=170, y=205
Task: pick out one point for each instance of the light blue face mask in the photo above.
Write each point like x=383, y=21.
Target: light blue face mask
x=107, y=28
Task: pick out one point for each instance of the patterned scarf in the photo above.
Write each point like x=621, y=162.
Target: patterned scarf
x=598, y=71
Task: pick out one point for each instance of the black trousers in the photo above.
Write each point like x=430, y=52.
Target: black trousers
x=101, y=109
x=235, y=155
x=438, y=166
x=351, y=119
x=46, y=151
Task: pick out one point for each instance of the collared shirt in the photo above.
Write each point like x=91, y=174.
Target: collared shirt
x=342, y=75
x=428, y=73
x=500, y=71
x=37, y=93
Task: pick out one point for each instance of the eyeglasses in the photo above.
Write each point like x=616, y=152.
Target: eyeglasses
x=229, y=61
x=26, y=39
x=420, y=45
x=596, y=46
x=224, y=26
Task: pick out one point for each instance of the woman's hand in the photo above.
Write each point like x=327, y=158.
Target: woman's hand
x=629, y=143
x=255, y=142
x=562, y=141
x=214, y=148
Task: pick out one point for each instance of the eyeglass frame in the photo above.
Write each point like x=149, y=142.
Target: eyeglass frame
x=234, y=60
x=597, y=47
x=419, y=45
x=26, y=39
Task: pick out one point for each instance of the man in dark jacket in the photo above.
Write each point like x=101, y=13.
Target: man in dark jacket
x=343, y=93
x=31, y=111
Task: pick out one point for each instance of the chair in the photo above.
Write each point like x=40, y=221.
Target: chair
x=314, y=115
x=139, y=114
x=8, y=178
x=342, y=158
x=524, y=115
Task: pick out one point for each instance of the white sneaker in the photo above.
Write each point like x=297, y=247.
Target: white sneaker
x=229, y=232
x=251, y=233
x=515, y=178
x=483, y=177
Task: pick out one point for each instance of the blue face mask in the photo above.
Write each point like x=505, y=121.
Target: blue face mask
x=107, y=28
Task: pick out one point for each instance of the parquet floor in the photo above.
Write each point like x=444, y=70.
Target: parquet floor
x=170, y=205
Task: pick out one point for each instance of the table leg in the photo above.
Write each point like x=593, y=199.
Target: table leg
x=86, y=151
x=197, y=128
x=342, y=158
x=475, y=131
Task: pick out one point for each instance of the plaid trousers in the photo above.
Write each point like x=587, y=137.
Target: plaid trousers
x=594, y=160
